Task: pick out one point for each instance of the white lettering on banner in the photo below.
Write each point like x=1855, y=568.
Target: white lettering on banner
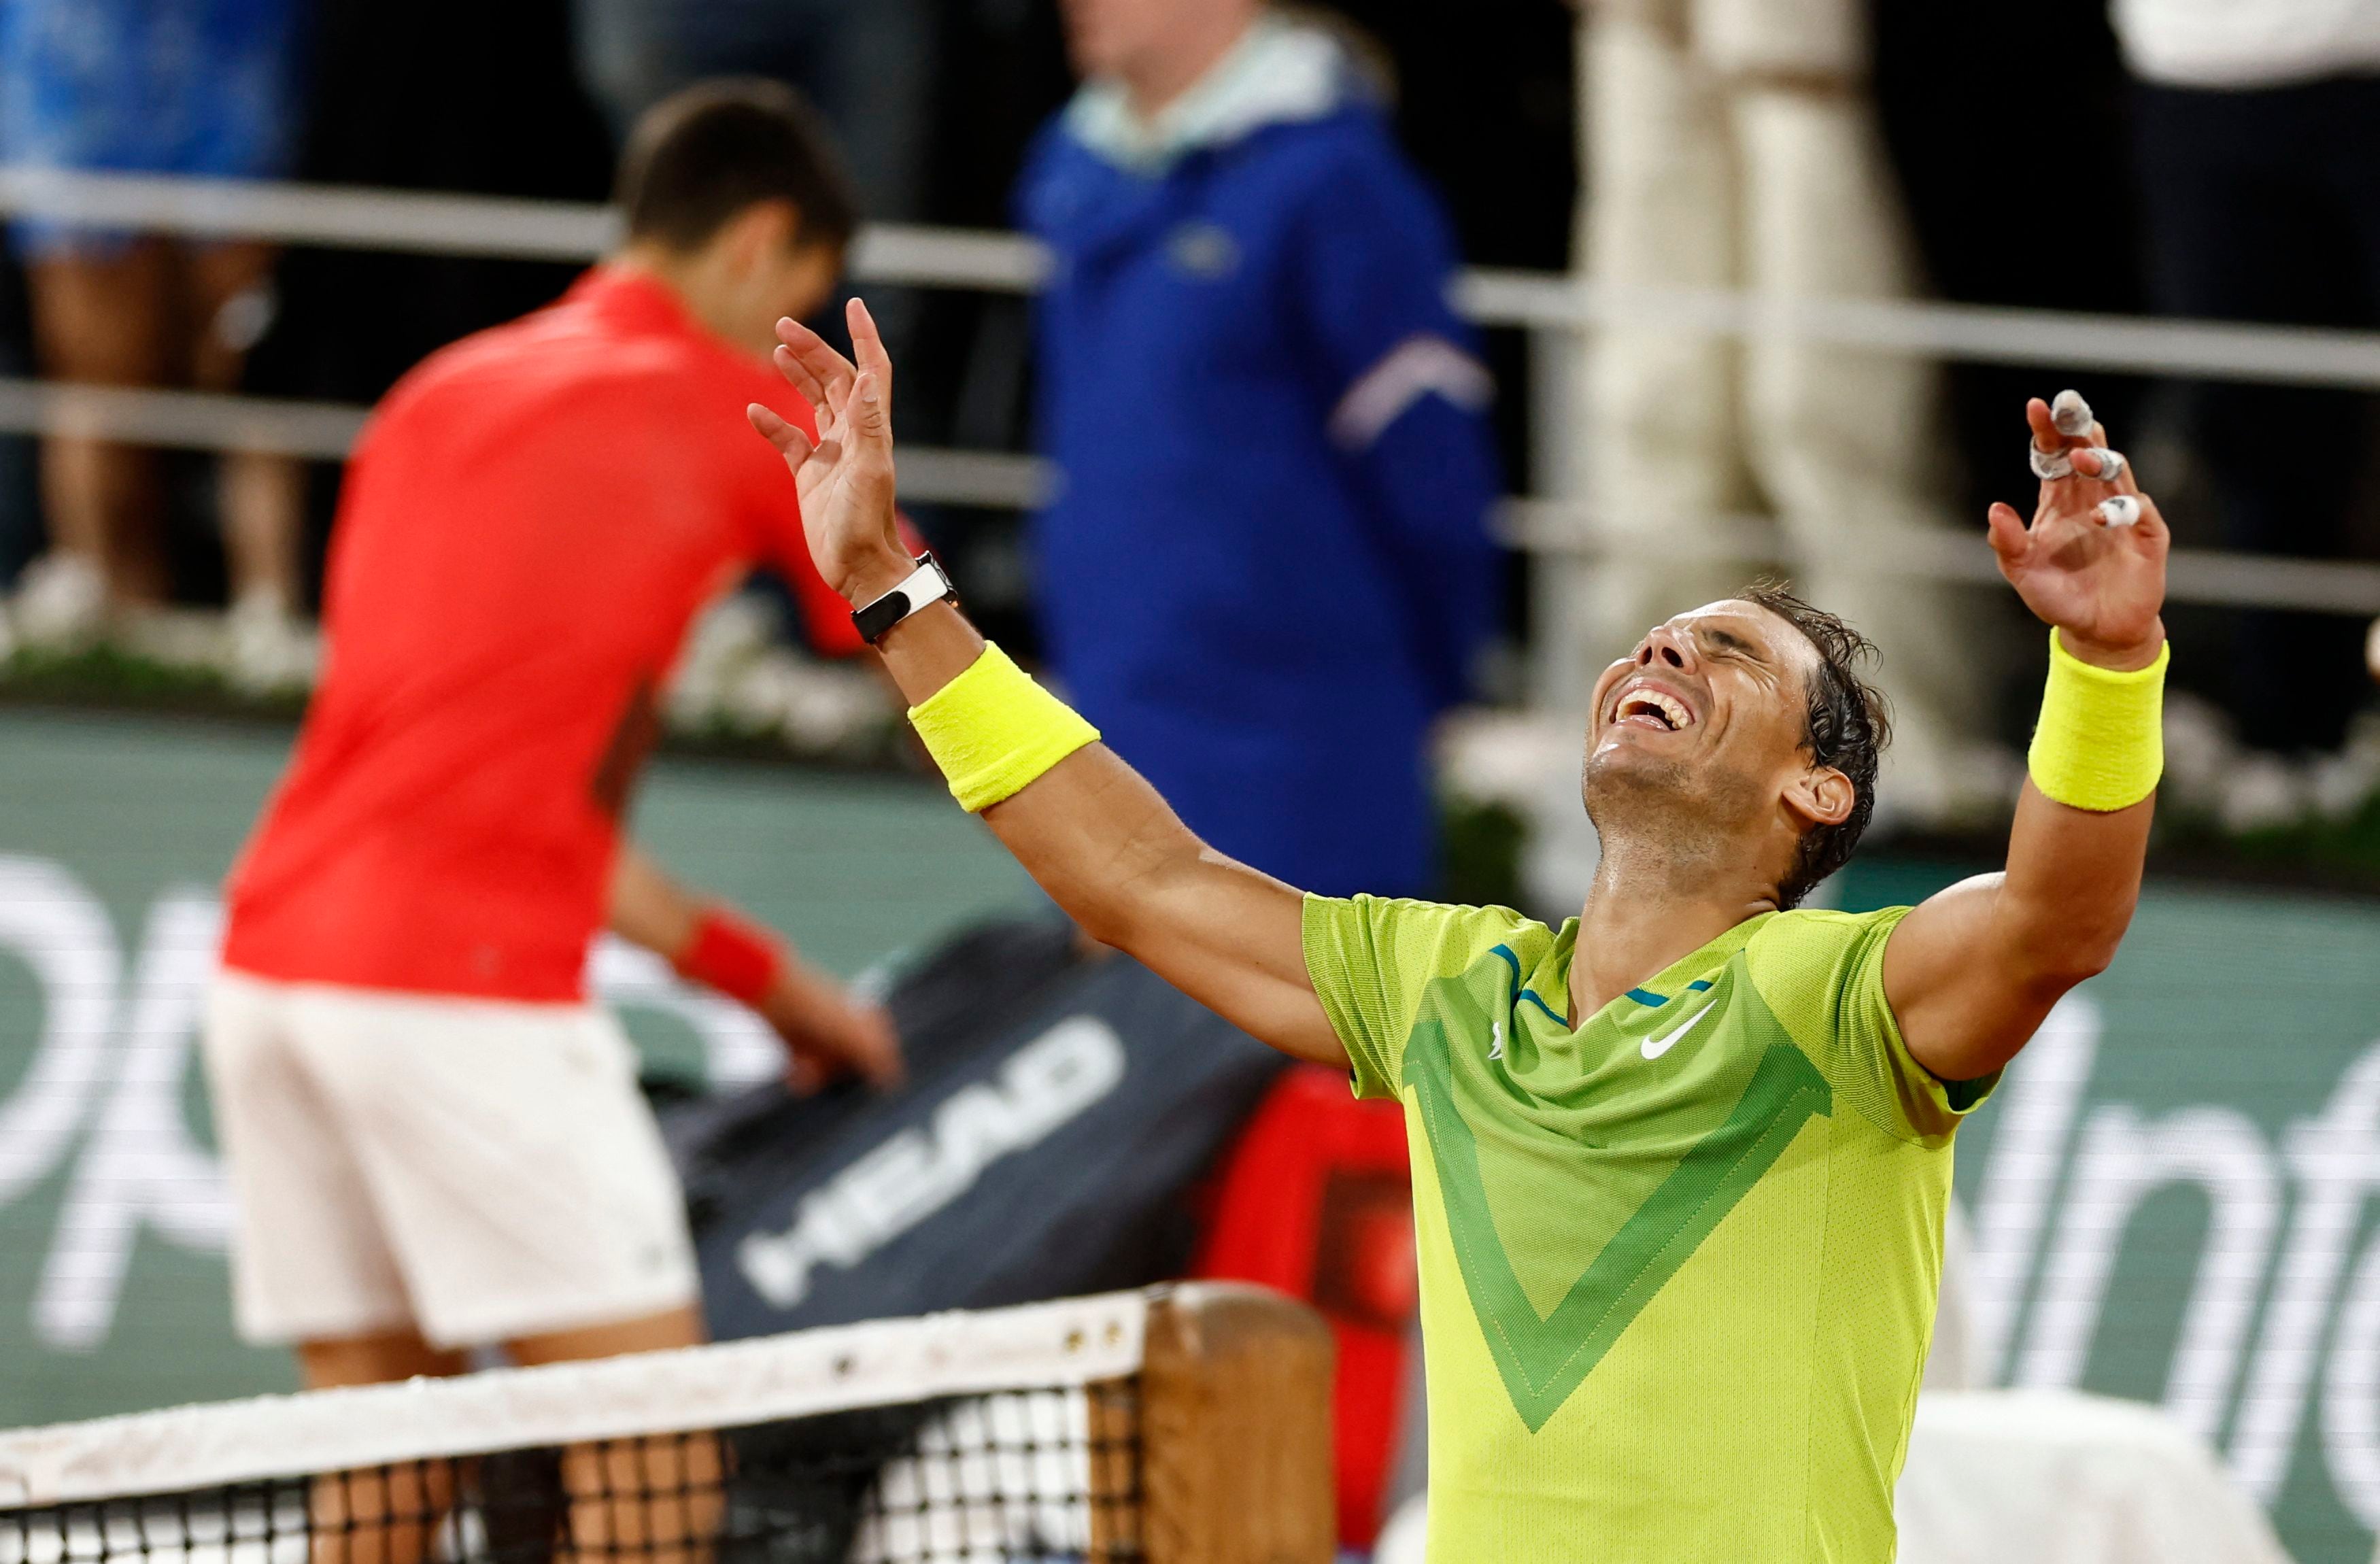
x=2350, y=1394
x=2333, y=1157
x=2124, y=1158
x=109, y=1062
x=2039, y=1104
x=919, y=1172
x=140, y=1166
x=62, y=933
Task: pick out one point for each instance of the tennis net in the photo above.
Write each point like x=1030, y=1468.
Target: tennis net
x=993, y=1438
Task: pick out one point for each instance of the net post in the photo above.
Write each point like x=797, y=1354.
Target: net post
x=1236, y=1428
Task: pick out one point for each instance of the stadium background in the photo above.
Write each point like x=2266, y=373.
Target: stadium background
x=2147, y=1193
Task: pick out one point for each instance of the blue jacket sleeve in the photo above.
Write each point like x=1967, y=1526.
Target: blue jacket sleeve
x=1406, y=398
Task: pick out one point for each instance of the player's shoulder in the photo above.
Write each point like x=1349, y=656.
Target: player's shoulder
x=566, y=353
x=1807, y=956
x=1825, y=927
x=1421, y=939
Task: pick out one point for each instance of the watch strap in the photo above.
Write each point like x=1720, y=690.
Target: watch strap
x=929, y=583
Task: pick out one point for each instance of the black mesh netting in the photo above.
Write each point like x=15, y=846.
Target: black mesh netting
x=998, y=1479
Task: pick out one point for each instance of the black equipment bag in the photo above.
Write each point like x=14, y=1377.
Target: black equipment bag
x=1057, y=1107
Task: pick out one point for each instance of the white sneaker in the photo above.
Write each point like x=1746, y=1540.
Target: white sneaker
x=266, y=648
x=61, y=602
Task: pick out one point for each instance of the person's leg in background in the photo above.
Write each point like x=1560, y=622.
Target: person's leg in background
x=391, y=1514
x=74, y=95
x=21, y=539
x=652, y=1500
x=100, y=311
x=2243, y=225
x=238, y=94
x=261, y=494
x=655, y=1500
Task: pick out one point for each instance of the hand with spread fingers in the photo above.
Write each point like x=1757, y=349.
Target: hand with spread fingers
x=845, y=475
x=2092, y=562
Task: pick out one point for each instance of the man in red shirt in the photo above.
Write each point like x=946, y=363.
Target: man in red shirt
x=435, y=1139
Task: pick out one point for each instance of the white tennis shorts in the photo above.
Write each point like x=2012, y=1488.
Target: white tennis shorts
x=477, y=1169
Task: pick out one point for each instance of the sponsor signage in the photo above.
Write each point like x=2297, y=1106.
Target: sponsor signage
x=2173, y=1196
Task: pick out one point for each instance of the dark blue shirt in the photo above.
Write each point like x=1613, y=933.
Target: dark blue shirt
x=1269, y=567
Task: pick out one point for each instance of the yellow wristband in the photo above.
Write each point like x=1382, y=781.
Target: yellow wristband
x=2100, y=744
x=993, y=730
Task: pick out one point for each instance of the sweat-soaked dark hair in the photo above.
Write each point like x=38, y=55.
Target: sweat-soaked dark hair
x=1847, y=727
x=702, y=155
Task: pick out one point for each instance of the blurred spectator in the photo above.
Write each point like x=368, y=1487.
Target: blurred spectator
x=1733, y=145
x=194, y=87
x=2258, y=129
x=867, y=65
x=1269, y=566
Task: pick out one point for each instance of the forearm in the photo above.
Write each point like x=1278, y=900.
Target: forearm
x=2073, y=879
x=1109, y=851
x=1079, y=820
x=648, y=908
x=1090, y=830
x=1972, y=972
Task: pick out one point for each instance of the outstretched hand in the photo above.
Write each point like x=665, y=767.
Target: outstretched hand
x=2093, y=561
x=844, y=477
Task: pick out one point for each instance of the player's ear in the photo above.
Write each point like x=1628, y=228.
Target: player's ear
x=1821, y=795
x=760, y=233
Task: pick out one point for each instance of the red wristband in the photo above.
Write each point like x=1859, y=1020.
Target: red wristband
x=738, y=959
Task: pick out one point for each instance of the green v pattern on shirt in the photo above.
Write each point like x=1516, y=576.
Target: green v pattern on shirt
x=1542, y=1358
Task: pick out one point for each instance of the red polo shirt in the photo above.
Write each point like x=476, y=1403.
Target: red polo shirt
x=531, y=520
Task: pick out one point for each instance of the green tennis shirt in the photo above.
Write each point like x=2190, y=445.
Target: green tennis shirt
x=1679, y=1265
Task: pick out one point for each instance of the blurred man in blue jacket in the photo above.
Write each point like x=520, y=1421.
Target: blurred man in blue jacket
x=1269, y=569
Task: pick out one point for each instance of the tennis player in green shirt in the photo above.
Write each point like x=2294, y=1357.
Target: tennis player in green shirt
x=1679, y=1166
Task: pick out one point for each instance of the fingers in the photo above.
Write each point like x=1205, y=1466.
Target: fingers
x=2099, y=463
x=827, y=367
x=860, y=1042
x=798, y=375
x=2071, y=416
x=2003, y=528
x=877, y=1049
x=867, y=407
x=2068, y=442
x=2117, y=510
x=802, y=1076
x=868, y=344
x=2044, y=427
x=783, y=433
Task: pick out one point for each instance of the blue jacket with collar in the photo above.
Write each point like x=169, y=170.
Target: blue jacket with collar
x=1269, y=568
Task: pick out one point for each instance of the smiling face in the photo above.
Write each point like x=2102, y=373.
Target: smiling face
x=1697, y=744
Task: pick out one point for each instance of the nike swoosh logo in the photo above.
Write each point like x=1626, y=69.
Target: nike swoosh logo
x=1496, y=1051
x=1655, y=1047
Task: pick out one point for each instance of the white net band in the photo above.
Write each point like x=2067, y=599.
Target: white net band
x=878, y=1363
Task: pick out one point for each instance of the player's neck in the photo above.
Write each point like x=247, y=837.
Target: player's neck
x=1645, y=911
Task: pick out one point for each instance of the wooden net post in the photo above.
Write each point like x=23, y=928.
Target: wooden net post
x=1236, y=1428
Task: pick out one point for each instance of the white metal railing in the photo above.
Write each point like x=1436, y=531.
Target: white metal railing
x=906, y=255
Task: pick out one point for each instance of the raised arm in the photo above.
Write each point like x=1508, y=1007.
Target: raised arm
x=1097, y=837
x=1972, y=973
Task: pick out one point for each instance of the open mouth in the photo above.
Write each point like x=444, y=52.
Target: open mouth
x=1645, y=707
